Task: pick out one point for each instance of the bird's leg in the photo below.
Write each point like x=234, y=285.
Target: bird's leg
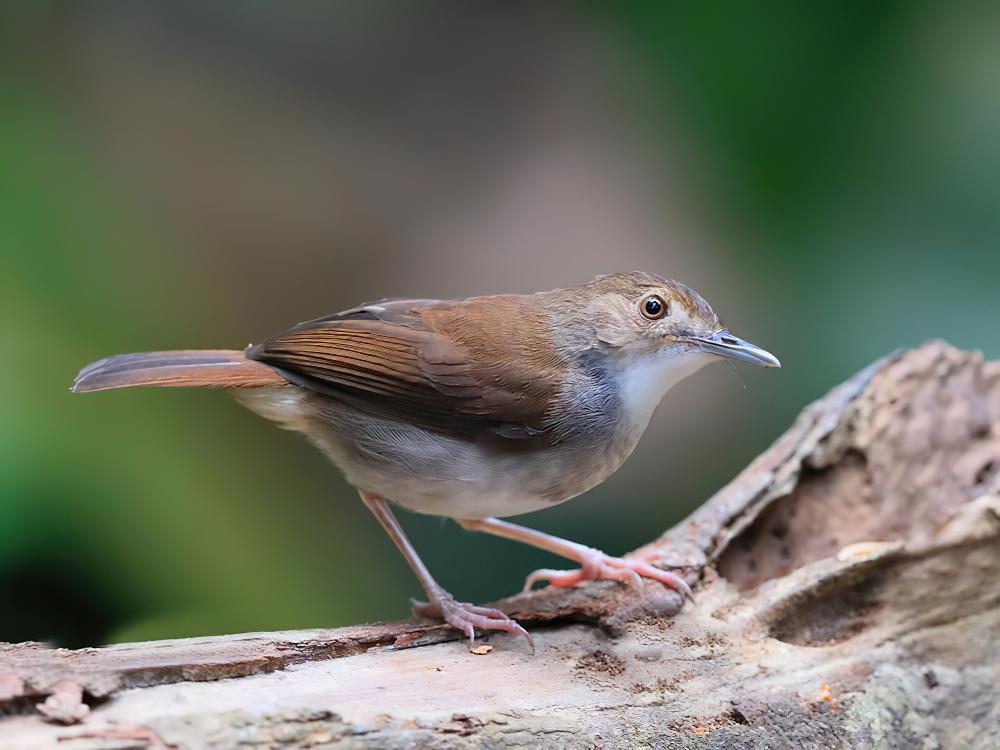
x=440, y=605
x=594, y=564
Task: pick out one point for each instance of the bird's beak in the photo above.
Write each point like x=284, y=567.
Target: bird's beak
x=724, y=344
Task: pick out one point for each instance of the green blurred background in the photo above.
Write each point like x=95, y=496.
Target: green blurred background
x=187, y=174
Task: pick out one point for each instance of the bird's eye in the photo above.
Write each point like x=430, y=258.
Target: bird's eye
x=653, y=307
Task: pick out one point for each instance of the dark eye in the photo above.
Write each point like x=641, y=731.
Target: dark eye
x=653, y=307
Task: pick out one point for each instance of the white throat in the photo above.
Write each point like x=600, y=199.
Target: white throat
x=644, y=382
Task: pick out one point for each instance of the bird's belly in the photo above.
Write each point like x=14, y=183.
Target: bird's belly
x=448, y=476
x=490, y=487
x=445, y=476
x=486, y=487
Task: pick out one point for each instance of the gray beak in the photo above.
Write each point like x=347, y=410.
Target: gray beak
x=724, y=344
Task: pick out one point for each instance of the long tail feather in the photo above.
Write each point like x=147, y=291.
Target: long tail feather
x=212, y=368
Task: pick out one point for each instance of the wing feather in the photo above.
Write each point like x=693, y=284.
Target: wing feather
x=413, y=359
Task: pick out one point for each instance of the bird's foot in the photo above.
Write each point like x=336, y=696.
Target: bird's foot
x=467, y=617
x=596, y=566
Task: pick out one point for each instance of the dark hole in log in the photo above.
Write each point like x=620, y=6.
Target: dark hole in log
x=829, y=614
x=984, y=472
x=829, y=509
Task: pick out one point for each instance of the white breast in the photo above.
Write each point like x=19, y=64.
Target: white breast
x=644, y=382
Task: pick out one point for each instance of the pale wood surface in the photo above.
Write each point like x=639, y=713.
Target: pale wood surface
x=848, y=595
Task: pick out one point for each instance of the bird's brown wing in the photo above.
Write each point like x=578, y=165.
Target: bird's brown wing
x=458, y=368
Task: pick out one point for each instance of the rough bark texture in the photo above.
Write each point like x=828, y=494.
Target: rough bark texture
x=848, y=595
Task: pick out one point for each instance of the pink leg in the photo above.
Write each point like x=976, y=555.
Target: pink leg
x=440, y=605
x=594, y=564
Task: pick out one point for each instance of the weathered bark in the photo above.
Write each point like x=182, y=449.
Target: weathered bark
x=848, y=594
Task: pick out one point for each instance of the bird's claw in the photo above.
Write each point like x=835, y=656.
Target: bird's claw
x=467, y=617
x=596, y=566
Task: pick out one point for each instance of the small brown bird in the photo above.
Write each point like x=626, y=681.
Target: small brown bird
x=471, y=409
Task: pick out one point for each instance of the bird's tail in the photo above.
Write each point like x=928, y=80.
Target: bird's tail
x=212, y=368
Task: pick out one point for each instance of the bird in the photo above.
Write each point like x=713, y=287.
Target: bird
x=473, y=409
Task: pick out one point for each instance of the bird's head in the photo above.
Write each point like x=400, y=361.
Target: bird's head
x=642, y=316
